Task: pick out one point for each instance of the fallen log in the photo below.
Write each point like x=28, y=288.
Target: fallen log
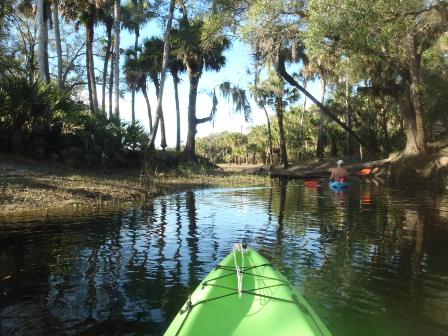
x=378, y=168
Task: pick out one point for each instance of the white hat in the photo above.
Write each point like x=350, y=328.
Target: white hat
x=340, y=163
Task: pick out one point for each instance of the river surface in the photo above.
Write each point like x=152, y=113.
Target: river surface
x=371, y=261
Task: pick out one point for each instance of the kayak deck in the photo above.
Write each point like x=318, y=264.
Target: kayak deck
x=268, y=305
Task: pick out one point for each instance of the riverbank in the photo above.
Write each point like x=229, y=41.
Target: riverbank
x=27, y=185
x=397, y=169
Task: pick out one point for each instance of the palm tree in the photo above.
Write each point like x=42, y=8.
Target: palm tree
x=117, y=6
x=132, y=74
x=176, y=67
x=136, y=73
x=261, y=98
x=321, y=67
x=111, y=77
x=86, y=12
x=142, y=86
x=134, y=14
x=57, y=37
x=197, y=54
x=273, y=92
x=151, y=58
x=42, y=51
x=166, y=53
x=107, y=18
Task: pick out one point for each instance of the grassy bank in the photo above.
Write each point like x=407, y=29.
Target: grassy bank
x=26, y=185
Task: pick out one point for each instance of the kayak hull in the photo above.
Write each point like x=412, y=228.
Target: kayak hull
x=268, y=305
x=339, y=185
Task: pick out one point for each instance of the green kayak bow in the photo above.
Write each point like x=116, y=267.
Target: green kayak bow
x=245, y=295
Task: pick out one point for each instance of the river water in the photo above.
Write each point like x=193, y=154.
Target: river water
x=371, y=260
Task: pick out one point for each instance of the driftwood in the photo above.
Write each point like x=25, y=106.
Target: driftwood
x=379, y=168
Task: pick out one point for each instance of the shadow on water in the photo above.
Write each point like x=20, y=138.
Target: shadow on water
x=372, y=260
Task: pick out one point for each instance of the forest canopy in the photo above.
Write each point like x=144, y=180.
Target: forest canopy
x=382, y=67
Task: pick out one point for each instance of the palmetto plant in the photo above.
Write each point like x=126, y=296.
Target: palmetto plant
x=28, y=108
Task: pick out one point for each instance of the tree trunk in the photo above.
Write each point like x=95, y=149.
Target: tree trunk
x=31, y=65
x=386, y=147
x=176, y=98
x=106, y=64
x=148, y=106
x=90, y=65
x=190, y=146
x=42, y=53
x=416, y=95
x=305, y=86
x=281, y=131
x=320, y=129
x=89, y=81
x=111, y=81
x=166, y=52
x=409, y=124
x=117, y=56
x=163, y=144
x=57, y=37
x=302, y=114
x=137, y=34
x=160, y=118
x=348, y=114
x=271, y=152
x=133, y=106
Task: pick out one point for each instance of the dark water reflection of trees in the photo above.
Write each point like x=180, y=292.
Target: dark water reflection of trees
x=372, y=261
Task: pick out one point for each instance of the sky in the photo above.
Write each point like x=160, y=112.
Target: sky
x=238, y=71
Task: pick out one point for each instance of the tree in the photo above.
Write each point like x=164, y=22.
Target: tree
x=117, y=18
x=261, y=98
x=42, y=53
x=321, y=66
x=143, y=71
x=134, y=14
x=274, y=93
x=107, y=18
x=87, y=13
x=197, y=53
x=176, y=67
x=387, y=40
x=152, y=58
x=132, y=73
x=89, y=18
x=274, y=29
x=57, y=37
x=166, y=53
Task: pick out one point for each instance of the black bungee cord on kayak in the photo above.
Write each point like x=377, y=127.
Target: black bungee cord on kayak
x=239, y=272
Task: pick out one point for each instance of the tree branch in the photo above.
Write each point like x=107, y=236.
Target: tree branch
x=72, y=61
x=281, y=71
x=76, y=84
x=204, y=120
x=376, y=91
x=439, y=5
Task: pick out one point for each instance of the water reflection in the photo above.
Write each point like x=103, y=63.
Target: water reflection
x=372, y=261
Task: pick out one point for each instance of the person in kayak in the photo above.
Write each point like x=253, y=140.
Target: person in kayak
x=339, y=173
